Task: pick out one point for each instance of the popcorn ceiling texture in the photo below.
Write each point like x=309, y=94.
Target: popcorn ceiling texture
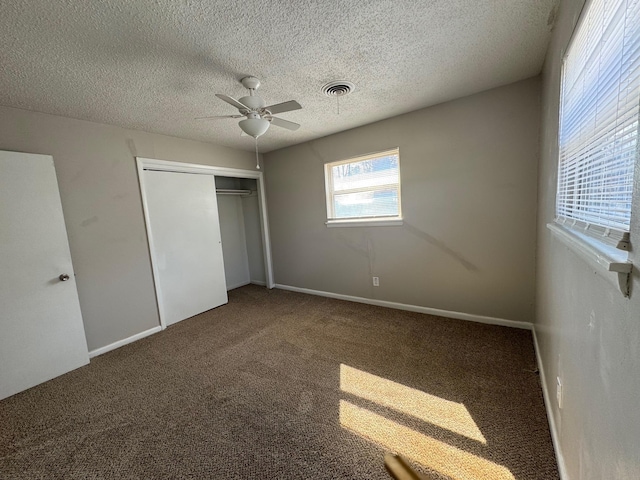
x=155, y=65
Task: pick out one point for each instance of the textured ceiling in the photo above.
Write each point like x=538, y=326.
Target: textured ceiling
x=154, y=65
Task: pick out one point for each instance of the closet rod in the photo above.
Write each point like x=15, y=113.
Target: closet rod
x=230, y=191
x=219, y=191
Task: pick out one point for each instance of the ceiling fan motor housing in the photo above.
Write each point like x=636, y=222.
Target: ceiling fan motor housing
x=254, y=102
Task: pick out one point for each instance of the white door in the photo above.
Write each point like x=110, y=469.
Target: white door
x=41, y=330
x=185, y=243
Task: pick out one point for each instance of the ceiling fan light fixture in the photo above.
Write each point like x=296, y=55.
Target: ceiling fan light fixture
x=254, y=127
x=259, y=115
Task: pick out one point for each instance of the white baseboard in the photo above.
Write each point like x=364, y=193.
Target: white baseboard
x=547, y=402
x=238, y=285
x=251, y=282
x=123, y=342
x=412, y=308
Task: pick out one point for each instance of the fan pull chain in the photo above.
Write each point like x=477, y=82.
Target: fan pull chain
x=257, y=157
x=338, y=103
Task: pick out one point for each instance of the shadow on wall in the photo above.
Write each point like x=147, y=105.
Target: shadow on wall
x=440, y=245
x=365, y=247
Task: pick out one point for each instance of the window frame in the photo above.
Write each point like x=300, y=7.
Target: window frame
x=381, y=220
x=602, y=247
x=608, y=236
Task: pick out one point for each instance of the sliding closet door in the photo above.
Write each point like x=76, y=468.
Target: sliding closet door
x=185, y=242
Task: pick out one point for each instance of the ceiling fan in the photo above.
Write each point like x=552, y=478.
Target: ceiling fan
x=258, y=115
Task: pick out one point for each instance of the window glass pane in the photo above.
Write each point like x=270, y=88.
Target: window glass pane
x=366, y=204
x=366, y=173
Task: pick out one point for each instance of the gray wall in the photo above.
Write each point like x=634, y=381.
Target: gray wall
x=234, y=243
x=103, y=210
x=587, y=332
x=241, y=233
x=253, y=233
x=469, y=174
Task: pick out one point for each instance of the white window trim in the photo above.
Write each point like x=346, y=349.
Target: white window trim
x=603, y=257
x=366, y=222
x=608, y=236
x=386, y=221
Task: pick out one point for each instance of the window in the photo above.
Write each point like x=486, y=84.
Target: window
x=599, y=121
x=364, y=189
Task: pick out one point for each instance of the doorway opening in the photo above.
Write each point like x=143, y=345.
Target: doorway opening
x=239, y=215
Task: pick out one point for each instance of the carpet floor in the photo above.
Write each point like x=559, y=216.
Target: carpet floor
x=282, y=385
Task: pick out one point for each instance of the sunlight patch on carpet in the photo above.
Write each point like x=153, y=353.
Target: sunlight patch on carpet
x=443, y=413
x=427, y=451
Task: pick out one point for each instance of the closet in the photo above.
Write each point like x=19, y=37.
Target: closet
x=239, y=217
x=208, y=233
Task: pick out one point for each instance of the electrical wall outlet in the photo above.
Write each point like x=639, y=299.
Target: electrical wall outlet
x=559, y=391
x=376, y=281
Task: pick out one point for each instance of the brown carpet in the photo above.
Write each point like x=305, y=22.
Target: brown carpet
x=281, y=385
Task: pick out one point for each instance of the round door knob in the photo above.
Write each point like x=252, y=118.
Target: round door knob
x=64, y=277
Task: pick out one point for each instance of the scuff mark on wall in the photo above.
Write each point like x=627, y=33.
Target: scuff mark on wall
x=131, y=145
x=117, y=239
x=440, y=245
x=551, y=19
x=77, y=177
x=315, y=152
x=89, y=221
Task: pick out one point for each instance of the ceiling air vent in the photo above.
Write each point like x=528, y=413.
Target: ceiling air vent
x=338, y=88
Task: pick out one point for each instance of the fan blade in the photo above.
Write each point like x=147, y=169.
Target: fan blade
x=232, y=101
x=220, y=116
x=284, y=123
x=284, y=107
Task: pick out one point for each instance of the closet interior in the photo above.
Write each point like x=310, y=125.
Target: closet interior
x=240, y=230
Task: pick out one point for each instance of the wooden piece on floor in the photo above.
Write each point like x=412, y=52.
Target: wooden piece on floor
x=399, y=469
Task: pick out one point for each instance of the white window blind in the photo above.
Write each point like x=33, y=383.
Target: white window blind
x=365, y=187
x=599, y=120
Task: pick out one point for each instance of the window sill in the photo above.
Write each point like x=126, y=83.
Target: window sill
x=369, y=222
x=601, y=255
